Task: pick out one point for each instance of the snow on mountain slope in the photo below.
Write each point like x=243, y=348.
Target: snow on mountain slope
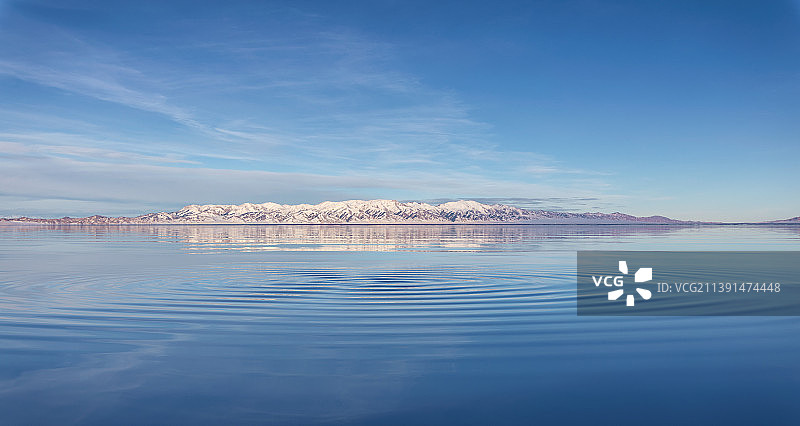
x=380, y=211
x=359, y=212
x=794, y=220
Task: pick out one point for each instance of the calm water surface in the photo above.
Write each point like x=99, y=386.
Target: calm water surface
x=369, y=325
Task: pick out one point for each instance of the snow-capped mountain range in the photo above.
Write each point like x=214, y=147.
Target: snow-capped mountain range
x=361, y=212
x=794, y=220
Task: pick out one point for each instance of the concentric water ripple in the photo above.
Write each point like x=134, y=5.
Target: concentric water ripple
x=374, y=324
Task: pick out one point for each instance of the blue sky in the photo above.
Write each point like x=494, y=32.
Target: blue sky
x=683, y=108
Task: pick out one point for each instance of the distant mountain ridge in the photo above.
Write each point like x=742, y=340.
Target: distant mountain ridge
x=790, y=221
x=360, y=212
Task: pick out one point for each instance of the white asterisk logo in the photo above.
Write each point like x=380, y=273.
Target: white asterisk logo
x=642, y=275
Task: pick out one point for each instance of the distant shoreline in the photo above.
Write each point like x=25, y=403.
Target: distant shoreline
x=373, y=212
x=6, y=221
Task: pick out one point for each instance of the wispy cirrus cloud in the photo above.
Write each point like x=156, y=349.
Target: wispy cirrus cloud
x=97, y=80
x=257, y=113
x=122, y=186
x=72, y=151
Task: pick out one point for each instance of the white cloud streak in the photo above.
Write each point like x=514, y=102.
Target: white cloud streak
x=323, y=114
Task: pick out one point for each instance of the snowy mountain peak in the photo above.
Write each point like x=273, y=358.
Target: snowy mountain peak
x=378, y=211
x=363, y=212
